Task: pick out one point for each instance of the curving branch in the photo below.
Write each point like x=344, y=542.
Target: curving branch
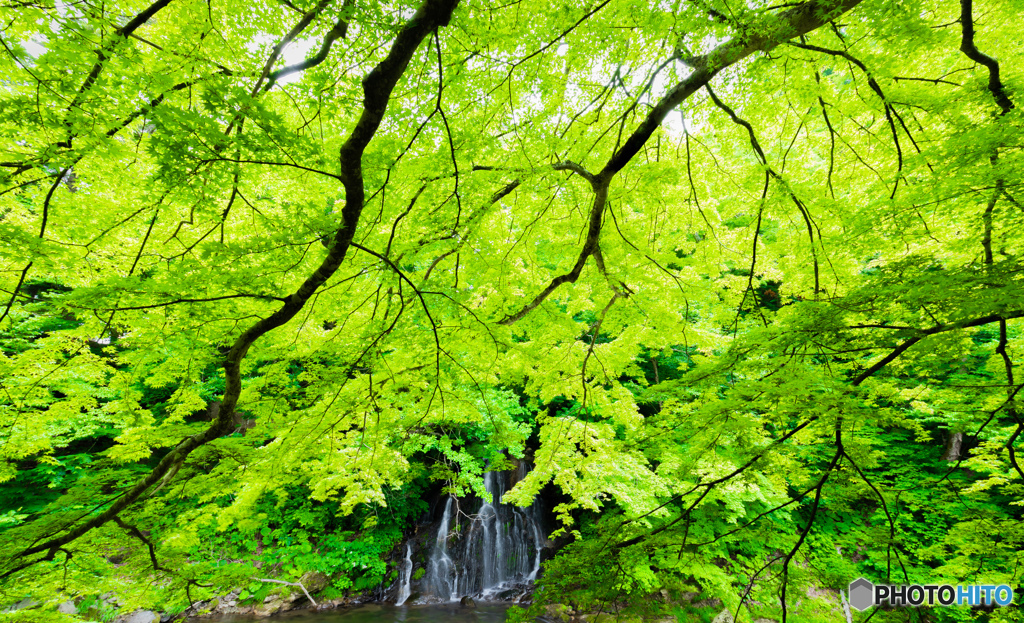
x=810, y=522
x=134, y=531
x=42, y=232
x=708, y=486
x=417, y=291
x=889, y=110
x=762, y=37
x=261, y=297
x=766, y=35
x=120, y=35
x=971, y=51
x=769, y=171
x=307, y=19
x=1002, y=99
x=589, y=246
x=269, y=164
x=902, y=347
x=339, y=31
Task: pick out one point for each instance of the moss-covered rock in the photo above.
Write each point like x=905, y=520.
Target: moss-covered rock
x=314, y=581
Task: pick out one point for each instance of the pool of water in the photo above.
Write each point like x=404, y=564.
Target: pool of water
x=384, y=613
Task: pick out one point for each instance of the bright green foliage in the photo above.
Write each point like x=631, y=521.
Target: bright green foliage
x=731, y=275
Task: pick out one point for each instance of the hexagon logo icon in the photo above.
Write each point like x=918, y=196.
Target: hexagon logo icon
x=862, y=594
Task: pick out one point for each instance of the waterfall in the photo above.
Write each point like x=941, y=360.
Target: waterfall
x=538, y=545
x=405, y=576
x=489, y=554
x=439, y=581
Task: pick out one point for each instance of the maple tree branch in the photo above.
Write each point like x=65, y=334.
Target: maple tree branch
x=297, y=29
x=860, y=379
x=923, y=333
x=262, y=297
x=873, y=84
x=589, y=246
x=339, y=31
x=971, y=51
x=134, y=531
x=932, y=80
x=402, y=276
x=121, y=34
x=769, y=171
x=763, y=37
x=42, y=232
x=708, y=486
x=270, y=164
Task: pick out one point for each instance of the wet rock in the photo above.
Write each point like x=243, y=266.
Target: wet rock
x=467, y=602
x=314, y=581
x=272, y=606
x=330, y=604
x=725, y=616
x=139, y=616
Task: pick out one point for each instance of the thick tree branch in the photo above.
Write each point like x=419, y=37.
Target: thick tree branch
x=968, y=47
x=297, y=29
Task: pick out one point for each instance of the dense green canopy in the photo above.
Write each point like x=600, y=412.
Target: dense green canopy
x=744, y=278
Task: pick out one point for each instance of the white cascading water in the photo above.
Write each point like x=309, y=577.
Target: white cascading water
x=538, y=544
x=497, y=550
x=441, y=567
x=405, y=577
